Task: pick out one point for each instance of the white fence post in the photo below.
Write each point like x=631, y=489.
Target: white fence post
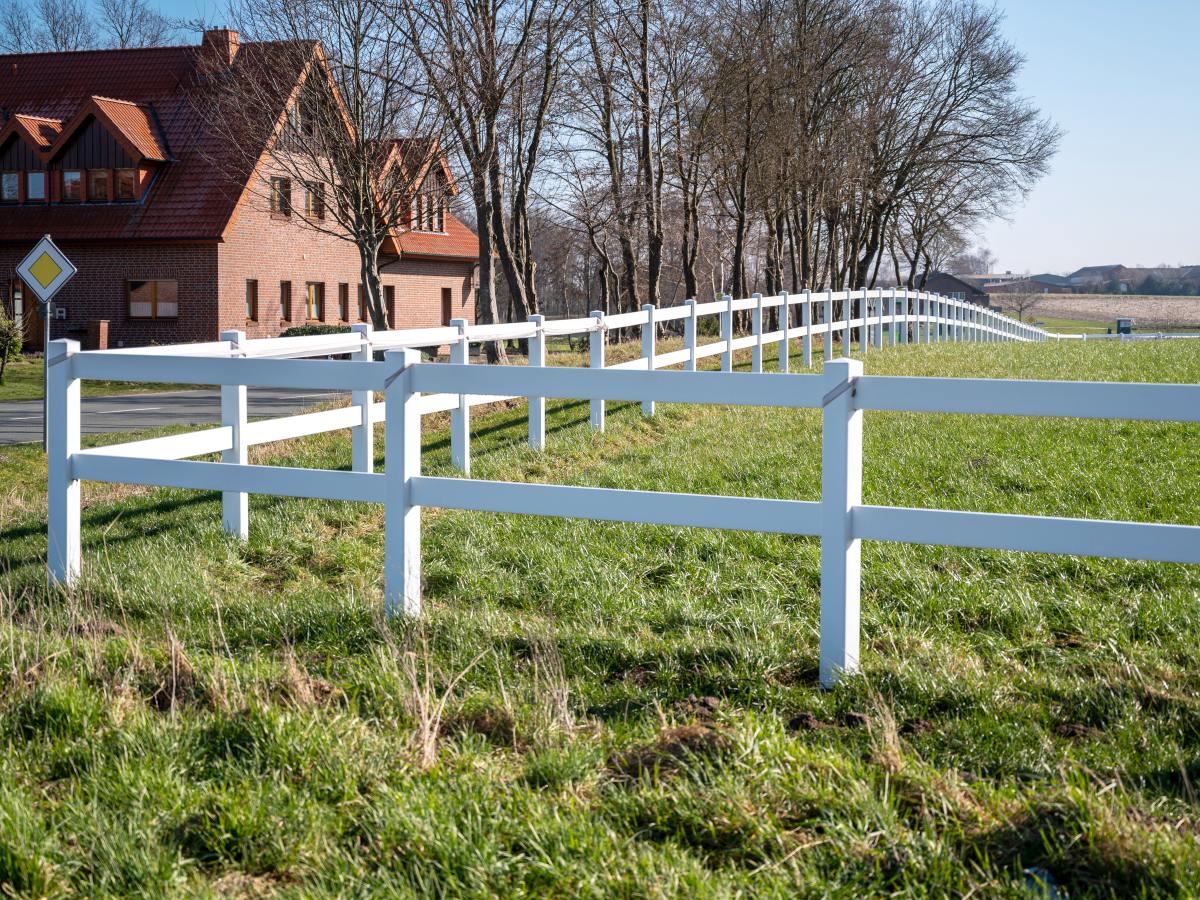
x=648, y=341
x=879, y=307
x=756, y=328
x=362, y=436
x=928, y=316
x=841, y=552
x=806, y=320
x=689, y=334
x=596, y=338
x=904, y=316
x=727, y=334
x=891, y=308
x=827, y=344
x=63, y=547
x=537, y=405
x=785, y=326
x=402, y=463
x=460, y=416
x=235, y=505
x=864, y=315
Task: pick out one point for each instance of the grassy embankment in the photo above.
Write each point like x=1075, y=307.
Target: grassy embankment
x=23, y=381
x=628, y=710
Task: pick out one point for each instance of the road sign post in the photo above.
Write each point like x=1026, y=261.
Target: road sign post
x=45, y=270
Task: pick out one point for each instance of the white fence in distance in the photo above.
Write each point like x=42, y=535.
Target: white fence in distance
x=412, y=389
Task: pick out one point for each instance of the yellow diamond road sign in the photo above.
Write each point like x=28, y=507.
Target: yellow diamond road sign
x=45, y=269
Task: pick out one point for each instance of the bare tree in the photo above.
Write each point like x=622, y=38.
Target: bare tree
x=354, y=137
x=491, y=69
x=65, y=25
x=1023, y=303
x=18, y=28
x=134, y=23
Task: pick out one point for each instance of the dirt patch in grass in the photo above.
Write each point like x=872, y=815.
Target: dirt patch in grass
x=497, y=726
x=669, y=752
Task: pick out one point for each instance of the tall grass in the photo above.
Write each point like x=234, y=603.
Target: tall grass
x=603, y=709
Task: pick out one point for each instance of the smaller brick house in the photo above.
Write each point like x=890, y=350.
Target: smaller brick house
x=109, y=152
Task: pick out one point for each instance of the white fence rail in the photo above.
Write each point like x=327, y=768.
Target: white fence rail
x=412, y=389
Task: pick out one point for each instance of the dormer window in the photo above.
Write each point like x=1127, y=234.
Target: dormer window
x=124, y=184
x=72, y=185
x=10, y=187
x=35, y=185
x=98, y=186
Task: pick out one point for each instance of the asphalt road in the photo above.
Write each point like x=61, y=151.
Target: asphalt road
x=21, y=421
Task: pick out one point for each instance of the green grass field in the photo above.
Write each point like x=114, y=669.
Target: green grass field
x=23, y=381
x=595, y=709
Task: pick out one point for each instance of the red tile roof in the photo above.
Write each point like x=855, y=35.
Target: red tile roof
x=458, y=242
x=159, y=113
x=42, y=132
x=136, y=124
x=152, y=100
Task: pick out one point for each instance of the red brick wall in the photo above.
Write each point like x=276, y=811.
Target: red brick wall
x=98, y=291
x=419, y=286
x=212, y=281
x=272, y=248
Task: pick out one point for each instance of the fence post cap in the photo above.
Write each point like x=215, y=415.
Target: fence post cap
x=597, y=314
x=843, y=369
x=362, y=328
x=61, y=347
x=690, y=301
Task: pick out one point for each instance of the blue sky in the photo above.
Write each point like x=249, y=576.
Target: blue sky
x=1121, y=78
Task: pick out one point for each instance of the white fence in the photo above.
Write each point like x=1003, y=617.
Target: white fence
x=412, y=389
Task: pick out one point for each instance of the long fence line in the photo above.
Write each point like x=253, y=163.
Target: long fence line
x=413, y=389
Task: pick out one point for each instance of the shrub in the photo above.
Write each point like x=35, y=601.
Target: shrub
x=10, y=342
x=314, y=328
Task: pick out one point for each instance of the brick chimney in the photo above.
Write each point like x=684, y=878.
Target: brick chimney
x=221, y=43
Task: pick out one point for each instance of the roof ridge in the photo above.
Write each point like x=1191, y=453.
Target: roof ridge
x=6, y=57
x=118, y=100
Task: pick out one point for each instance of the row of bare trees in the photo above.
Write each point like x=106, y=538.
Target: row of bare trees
x=681, y=148
x=740, y=145
x=619, y=152
x=31, y=26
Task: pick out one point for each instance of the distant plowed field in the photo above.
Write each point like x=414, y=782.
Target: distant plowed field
x=1145, y=310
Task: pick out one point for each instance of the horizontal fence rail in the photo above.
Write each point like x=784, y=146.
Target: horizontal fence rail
x=412, y=389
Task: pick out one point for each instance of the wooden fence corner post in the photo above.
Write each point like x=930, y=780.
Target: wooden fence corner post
x=537, y=405
x=235, y=505
x=648, y=351
x=596, y=338
x=460, y=416
x=841, y=551
x=63, y=546
x=362, y=435
x=402, y=463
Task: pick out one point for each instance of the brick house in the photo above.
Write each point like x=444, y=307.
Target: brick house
x=108, y=151
x=953, y=286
